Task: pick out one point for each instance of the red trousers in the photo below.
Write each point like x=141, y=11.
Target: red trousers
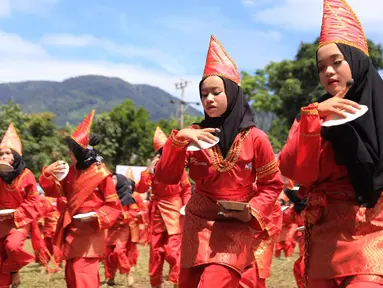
x=250, y=278
x=132, y=253
x=116, y=258
x=14, y=256
x=298, y=270
x=209, y=276
x=360, y=281
x=286, y=246
x=164, y=247
x=82, y=273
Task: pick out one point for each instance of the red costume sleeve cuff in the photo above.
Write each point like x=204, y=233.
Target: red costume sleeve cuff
x=18, y=219
x=176, y=141
x=260, y=224
x=311, y=109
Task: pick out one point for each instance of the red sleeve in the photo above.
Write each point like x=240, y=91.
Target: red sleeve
x=51, y=186
x=145, y=182
x=112, y=209
x=299, y=158
x=185, y=188
x=269, y=184
x=170, y=168
x=30, y=209
x=139, y=202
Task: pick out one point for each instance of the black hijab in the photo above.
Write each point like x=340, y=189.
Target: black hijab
x=18, y=166
x=359, y=144
x=85, y=156
x=125, y=187
x=299, y=204
x=237, y=117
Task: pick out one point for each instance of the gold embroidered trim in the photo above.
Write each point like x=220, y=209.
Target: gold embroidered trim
x=176, y=143
x=258, y=216
x=224, y=165
x=268, y=169
x=310, y=135
x=106, y=216
x=312, y=109
x=349, y=43
x=111, y=198
x=223, y=75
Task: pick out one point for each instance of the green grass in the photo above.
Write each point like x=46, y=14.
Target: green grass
x=31, y=277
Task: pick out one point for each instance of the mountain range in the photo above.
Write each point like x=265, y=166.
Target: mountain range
x=75, y=97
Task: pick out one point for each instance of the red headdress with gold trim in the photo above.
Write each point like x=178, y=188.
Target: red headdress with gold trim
x=129, y=174
x=159, y=139
x=11, y=140
x=82, y=133
x=341, y=25
x=219, y=63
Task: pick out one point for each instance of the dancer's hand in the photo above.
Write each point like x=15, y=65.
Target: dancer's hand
x=56, y=167
x=194, y=135
x=337, y=105
x=244, y=216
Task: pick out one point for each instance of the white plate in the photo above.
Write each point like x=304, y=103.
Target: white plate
x=204, y=145
x=284, y=208
x=7, y=211
x=61, y=175
x=5, y=167
x=85, y=215
x=350, y=117
x=301, y=228
x=182, y=210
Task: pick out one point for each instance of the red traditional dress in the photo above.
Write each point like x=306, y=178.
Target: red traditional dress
x=51, y=217
x=136, y=215
x=263, y=249
x=90, y=190
x=22, y=196
x=345, y=239
x=286, y=240
x=215, y=252
x=166, y=222
x=117, y=240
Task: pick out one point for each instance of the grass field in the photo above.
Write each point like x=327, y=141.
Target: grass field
x=31, y=277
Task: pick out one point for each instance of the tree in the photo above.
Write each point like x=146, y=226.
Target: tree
x=126, y=134
x=42, y=144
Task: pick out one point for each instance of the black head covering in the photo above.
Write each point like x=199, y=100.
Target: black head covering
x=85, y=157
x=18, y=166
x=299, y=204
x=237, y=117
x=125, y=187
x=359, y=144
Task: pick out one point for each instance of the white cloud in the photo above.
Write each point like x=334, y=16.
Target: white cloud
x=26, y=6
x=22, y=60
x=168, y=62
x=13, y=47
x=5, y=8
x=306, y=15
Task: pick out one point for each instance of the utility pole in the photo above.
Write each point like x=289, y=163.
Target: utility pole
x=181, y=86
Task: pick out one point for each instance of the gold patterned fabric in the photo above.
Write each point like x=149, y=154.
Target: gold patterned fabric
x=210, y=240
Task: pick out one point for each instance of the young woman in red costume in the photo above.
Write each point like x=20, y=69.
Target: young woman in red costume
x=340, y=168
x=119, y=234
x=166, y=222
x=88, y=187
x=217, y=244
x=18, y=191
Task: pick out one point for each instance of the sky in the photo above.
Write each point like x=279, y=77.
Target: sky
x=156, y=42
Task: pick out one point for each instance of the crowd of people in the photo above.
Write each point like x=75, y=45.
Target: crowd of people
x=322, y=192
